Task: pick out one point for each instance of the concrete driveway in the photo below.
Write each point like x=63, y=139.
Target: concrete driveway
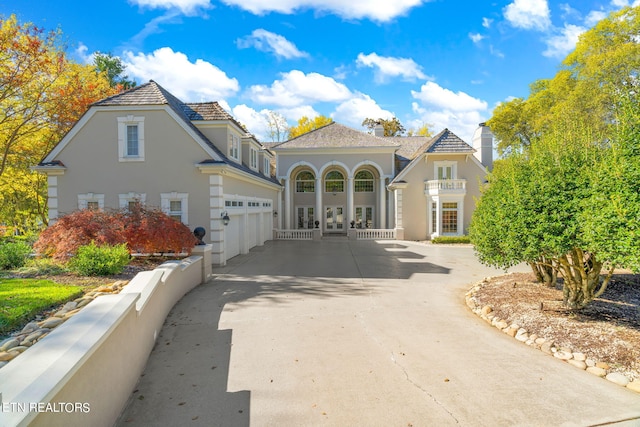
x=362, y=333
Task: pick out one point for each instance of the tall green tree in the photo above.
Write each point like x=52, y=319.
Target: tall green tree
x=604, y=65
x=305, y=125
x=114, y=69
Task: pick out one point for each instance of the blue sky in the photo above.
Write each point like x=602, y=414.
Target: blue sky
x=447, y=63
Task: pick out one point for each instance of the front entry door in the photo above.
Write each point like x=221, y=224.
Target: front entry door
x=334, y=219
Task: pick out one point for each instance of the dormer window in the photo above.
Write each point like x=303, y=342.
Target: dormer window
x=131, y=139
x=253, y=158
x=266, y=167
x=234, y=147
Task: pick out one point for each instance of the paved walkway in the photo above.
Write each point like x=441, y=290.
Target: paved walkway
x=339, y=333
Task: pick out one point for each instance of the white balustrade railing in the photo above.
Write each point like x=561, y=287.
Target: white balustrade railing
x=294, y=234
x=375, y=234
x=446, y=185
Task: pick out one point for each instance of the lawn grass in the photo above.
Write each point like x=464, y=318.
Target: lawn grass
x=22, y=299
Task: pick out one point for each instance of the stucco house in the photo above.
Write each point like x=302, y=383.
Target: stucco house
x=420, y=187
x=197, y=163
x=193, y=160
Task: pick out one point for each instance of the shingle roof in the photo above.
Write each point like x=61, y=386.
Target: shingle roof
x=446, y=142
x=152, y=93
x=335, y=135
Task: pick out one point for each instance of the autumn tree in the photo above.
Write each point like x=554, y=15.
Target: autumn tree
x=305, y=124
x=392, y=127
x=42, y=94
x=424, y=130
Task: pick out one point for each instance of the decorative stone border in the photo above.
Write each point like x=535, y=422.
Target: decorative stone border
x=34, y=331
x=576, y=359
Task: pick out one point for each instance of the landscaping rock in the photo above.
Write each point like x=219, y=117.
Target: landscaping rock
x=486, y=310
x=8, y=344
x=577, y=363
x=597, y=371
x=563, y=355
x=579, y=356
x=51, y=322
x=603, y=365
x=618, y=378
x=30, y=327
x=634, y=386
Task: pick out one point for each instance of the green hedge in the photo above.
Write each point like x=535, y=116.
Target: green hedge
x=451, y=239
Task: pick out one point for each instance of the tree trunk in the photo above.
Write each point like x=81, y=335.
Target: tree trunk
x=582, y=283
x=546, y=271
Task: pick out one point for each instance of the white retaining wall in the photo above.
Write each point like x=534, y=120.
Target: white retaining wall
x=84, y=371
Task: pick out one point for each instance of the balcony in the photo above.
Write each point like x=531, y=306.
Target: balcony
x=440, y=187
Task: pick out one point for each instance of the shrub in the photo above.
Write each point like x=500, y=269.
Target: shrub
x=62, y=239
x=145, y=230
x=13, y=254
x=151, y=231
x=93, y=260
x=451, y=239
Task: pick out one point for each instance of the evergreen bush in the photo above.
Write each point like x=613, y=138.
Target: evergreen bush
x=105, y=260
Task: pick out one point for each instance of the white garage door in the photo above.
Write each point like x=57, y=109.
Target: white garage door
x=232, y=237
x=252, y=227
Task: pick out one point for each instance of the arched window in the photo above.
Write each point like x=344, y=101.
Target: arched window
x=305, y=182
x=363, y=182
x=334, y=182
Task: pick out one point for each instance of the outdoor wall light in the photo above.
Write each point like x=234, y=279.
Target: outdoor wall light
x=225, y=218
x=275, y=214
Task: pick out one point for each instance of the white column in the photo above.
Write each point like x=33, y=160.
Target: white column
x=382, y=203
x=350, y=208
x=398, y=197
x=287, y=204
x=318, y=215
x=52, y=198
x=216, y=227
x=438, y=216
x=280, y=212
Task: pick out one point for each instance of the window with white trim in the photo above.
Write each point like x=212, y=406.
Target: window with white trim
x=363, y=182
x=131, y=139
x=234, y=146
x=175, y=205
x=266, y=167
x=334, y=182
x=449, y=218
x=445, y=170
x=129, y=200
x=91, y=201
x=253, y=158
x=305, y=182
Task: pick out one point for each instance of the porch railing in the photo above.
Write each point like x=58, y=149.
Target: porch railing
x=375, y=234
x=294, y=234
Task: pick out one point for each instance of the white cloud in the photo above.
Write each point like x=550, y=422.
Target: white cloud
x=594, y=17
x=443, y=108
x=434, y=95
x=190, y=81
x=297, y=88
x=256, y=122
x=267, y=41
x=81, y=52
x=387, y=66
x=495, y=52
x=558, y=46
x=486, y=22
x=528, y=14
x=476, y=38
x=357, y=108
x=187, y=7
x=375, y=10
